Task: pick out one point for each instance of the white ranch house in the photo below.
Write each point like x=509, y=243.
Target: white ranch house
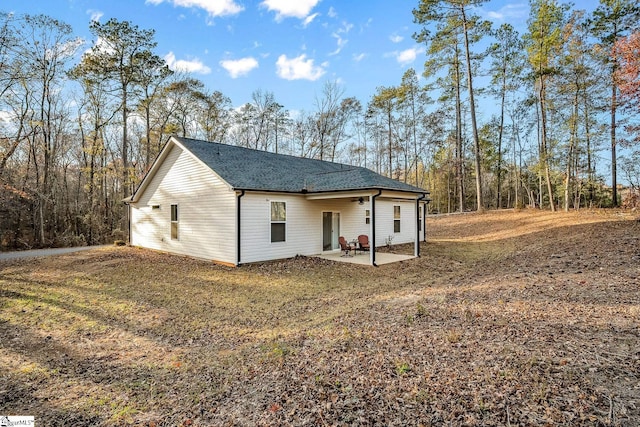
x=235, y=205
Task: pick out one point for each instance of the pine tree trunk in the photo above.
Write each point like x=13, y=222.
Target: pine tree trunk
x=476, y=138
x=614, y=163
x=459, y=155
x=544, y=145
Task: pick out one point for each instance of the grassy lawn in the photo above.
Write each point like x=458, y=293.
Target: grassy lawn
x=508, y=318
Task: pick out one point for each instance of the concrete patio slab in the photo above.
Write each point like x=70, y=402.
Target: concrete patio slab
x=363, y=258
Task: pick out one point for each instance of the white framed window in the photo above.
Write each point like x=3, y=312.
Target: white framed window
x=174, y=222
x=367, y=216
x=278, y=222
x=396, y=219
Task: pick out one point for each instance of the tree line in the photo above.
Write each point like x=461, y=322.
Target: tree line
x=77, y=136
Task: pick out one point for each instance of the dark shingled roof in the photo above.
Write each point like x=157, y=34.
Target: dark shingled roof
x=248, y=169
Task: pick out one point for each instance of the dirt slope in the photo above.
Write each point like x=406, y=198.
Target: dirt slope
x=508, y=318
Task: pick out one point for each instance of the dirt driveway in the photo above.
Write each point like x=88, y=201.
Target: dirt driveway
x=43, y=252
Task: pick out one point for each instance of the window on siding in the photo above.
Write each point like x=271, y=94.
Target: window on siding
x=367, y=216
x=278, y=221
x=174, y=222
x=396, y=219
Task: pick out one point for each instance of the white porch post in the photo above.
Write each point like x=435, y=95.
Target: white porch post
x=372, y=241
x=416, y=245
x=416, y=242
x=372, y=232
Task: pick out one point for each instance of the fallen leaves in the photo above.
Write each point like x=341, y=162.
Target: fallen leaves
x=508, y=318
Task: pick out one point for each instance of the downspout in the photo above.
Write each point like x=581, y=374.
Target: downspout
x=417, y=241
x=238, y=220
x=424, y=217
x=373, y=228
x=127, y=203
x=129, y=223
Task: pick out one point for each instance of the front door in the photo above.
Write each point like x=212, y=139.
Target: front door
x=330, y=230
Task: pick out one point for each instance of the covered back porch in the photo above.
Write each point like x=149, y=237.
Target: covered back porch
x=385, y=217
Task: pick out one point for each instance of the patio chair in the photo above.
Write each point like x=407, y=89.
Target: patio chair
x=345, y=247
x=363, y=242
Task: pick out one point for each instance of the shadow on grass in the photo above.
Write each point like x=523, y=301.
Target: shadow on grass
x=175, y=337
x=65, y=383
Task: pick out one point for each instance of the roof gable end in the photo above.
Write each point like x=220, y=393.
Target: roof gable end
x=248, y=169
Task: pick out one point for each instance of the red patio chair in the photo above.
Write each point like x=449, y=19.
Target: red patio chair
x=363, y=242
x=346, y=247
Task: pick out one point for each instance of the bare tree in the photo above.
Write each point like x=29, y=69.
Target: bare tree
x=46, y=47
x=326, y=117
x=121, y=55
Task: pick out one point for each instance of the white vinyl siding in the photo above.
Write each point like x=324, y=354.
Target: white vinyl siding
x=304, y=224
x=207, y=209
x=385, y=222
x=300, y=231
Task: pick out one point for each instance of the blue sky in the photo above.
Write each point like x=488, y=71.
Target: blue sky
x=288, y=47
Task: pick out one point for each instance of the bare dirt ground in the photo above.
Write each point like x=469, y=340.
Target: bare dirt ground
x=508, y=319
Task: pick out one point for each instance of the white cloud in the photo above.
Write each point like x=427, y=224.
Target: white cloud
x=346, y=27
x=69, y=48
x=6, y=116
x=192, y=66
x=406, y=56
x=509, y=12
x=332, y=12
x=212, y=7
x=341, y=43
x=395, y=38
x=309, y=19
x=299, y=68
x=95, y=15
x=101, y=45
x=239, y=67
x=290, y=8
x=359, y=57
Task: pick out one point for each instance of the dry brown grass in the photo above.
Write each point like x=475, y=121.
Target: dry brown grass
x=509, y=318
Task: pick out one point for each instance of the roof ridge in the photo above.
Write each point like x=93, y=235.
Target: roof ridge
x=258, y=170
x=240, y=147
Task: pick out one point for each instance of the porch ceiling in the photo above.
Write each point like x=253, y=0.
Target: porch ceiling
x=365, y=194
x=338, y=195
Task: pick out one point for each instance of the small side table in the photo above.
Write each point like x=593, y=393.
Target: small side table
x=354, y=245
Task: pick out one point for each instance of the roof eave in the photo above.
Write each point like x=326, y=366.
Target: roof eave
x=343, y=190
